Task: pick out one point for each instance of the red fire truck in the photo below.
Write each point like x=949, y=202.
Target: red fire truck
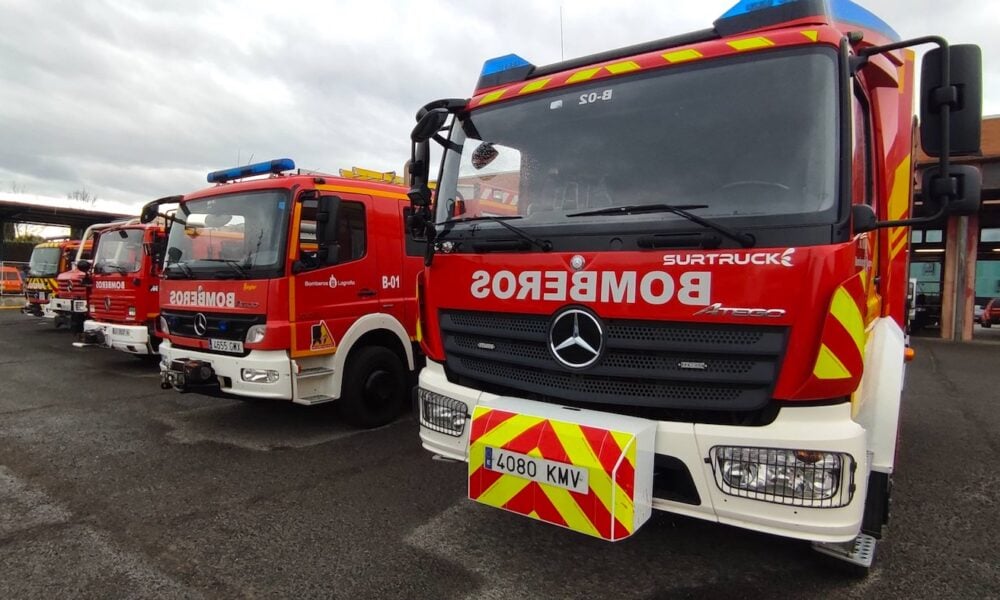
x=48, y=260
x=124, y=288
x=71, y=300
x=699, y=305
x=291, y=287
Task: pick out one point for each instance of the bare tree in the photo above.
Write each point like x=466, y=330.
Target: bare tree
x=82, y=195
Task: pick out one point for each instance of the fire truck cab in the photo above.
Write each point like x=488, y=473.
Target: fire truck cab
x=48, y=260
x=124, y=289
x=296, y=287
x=699, y=305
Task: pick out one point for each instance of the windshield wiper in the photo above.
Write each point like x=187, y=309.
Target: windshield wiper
x=234, y=265
x=743, y=239
x=543, y=245
x=184, y=269
x=114, y=267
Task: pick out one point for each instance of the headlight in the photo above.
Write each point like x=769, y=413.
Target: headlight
x=259, y=375
x=163, y=325
x=441, y=413
x=256, y=333
x=785, y=476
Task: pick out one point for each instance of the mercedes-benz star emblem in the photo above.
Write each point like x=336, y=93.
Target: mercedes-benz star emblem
x=69, y=286
x=576, y=338
x=107, y=303
x=200, y=324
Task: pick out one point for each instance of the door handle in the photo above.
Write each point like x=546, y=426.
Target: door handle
x=366, y=293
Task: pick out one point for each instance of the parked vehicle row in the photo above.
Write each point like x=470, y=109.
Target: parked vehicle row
x=671, y=276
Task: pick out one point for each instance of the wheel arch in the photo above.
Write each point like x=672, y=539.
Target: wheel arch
x=372, y=330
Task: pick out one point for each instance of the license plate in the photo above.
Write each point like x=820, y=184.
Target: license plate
x=537, y=469
x=118, y=331
x=225, y=345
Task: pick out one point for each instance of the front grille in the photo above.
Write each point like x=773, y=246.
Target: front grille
x=116, y=310
x=651, y=364
x=79, y=291
x=221, y=326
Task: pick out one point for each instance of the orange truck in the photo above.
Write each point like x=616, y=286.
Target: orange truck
x=698, y=303
x=292, y=287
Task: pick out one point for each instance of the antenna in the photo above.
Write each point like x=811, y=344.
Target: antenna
x=562, y=49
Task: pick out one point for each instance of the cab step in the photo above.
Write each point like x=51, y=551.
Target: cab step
x=859, y=552
x=313, y=372
x=316, y=399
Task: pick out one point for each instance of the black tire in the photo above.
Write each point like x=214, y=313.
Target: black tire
x=986, y=324
x=375, y=387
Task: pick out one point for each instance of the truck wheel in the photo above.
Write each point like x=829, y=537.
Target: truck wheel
x=986, y=324
x=375, y=387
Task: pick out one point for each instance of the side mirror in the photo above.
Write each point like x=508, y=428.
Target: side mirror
x=959, y=194
x=863, y=218
x=174, y=254
x=429, y=124
x=83, y=265
x=962, y=100
x=149, y=213
x=420, y=192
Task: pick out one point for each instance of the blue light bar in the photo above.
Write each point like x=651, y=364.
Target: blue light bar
x=503, y=63
x=272, y=166
x=747, y=6
x=747, y=15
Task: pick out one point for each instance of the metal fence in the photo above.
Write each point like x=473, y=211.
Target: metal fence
x=13, y=278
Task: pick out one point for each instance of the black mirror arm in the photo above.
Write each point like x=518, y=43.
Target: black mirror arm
x=916, y=220
x=945, y=96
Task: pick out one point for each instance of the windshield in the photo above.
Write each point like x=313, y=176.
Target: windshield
x=119, y=252
x=234, y=236
x=44, y=262
x=745, y=137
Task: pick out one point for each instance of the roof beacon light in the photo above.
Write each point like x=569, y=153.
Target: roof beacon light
x=278, y=165
x=748, y=15
x=503, y=69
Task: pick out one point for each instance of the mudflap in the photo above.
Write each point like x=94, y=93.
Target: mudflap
x=584, y=470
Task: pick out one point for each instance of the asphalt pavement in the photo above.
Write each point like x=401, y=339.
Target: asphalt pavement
x=113, y=488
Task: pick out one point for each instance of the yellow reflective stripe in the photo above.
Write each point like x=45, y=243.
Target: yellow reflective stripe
x=624, y=439
x=750, y=43
x=897, y=247
x=364, y=191
x=492, y=97
x=682, y=55
x=534, y=86
x=898, y=198
x=625, y=506
x=569, y=510
x=582, y=455
x=583, y=75
x=812, y=34
x=829, y=366
x=623, y=67
x=503, y=490
x=845, y=310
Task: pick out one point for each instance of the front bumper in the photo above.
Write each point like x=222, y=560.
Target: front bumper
x=133, y=339
x=821, y=428
x=227, y=370
x=68, y=305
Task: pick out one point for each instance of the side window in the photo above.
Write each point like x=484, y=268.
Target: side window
x=861, y=186
x=307, y=233
x=352, y=233
x=413, y=247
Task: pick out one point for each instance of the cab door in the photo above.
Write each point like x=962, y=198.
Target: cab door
x=331, y=292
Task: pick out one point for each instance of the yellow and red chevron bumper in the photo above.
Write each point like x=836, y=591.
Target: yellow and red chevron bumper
x=586, y=471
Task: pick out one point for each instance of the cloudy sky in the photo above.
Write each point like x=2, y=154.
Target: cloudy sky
x=137, y=100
